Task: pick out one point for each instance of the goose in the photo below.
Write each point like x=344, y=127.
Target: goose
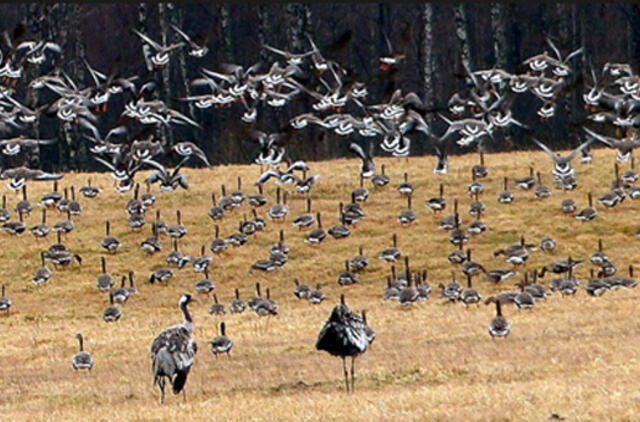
x=82, y=359
x=347, y=277
x=89, y=191
x=75, y=207
x=408, y=294
x=442, y=165
x=569, y=284
x=173, y=352
x=423, y=287
x=568, y=205
x=121, y=294
x=541, y=191
x=259, y=222
x=216, y=212
x=458, y=256
x=265, y=306
x=361, y=194
x=161, y=275
x=175, y=256
x=524, y=299
x=596, y=286
x=607, y=269
x=562, y=164
x=280, y=246
x=225, y=202
x=407, y=216
x=63, y=204
x=304, y=184
x=475, y=187
x=497, y=276
x=438, y=203
x=237, y=305
x=470, y=267
x=301, y=291
x=353, y=212
x=152, y=244
x=391, y=292
x=112, y=313
x=110, y=243
x=478, y=226
x=458, y=236
x=238, y=196
x=148, y=198
x=452, y=290
x=316, y=296
x=41, y=230
x=216, y=308
x=617, y=281
x=50, y=199
x=480, y=170
x=279, y=211
x=451, y=221
x=5, y=214
x=405, y=188
x=256, y=200
x=156, y=55
x=470, y=295
x=318, y=234
x=134, y=205
x=359, y=262
x=380, y=180
x=499, y=326
x=14, y=227
x=202, y=262
x=599, y=257
x=43, y=274
x=218, y=244
x=205, y=285
x=132, y=288
x=589, y=213
x=305, y=220
x=339, y=231
x=24, y=206
x=505, y=197
x=477, y=207
x=393, y=253
x=64, y=226
x=105, y=281
x=536, y=289
x=368, y=167
x=527, y=182
x=236, y=239
x=5, y=302
x=137, y=221
x=177, y=231
x=222, y=343
x=547, y=244
x=630, y=176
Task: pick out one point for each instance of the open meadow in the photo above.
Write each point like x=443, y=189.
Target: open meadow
x=576, y=357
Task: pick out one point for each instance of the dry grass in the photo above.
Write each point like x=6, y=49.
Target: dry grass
x=576, y=356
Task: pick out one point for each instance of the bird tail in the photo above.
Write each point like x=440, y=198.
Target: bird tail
x=180, y=380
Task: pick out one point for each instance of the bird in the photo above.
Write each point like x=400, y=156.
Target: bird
x=159, y=58
x=499, y=326
x=173, y=352
x=82, y=359
x=221, y=343
x=368, y=167
x=344, y=335
x=111, y=313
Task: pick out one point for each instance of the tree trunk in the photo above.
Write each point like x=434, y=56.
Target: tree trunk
x=460, y=20
x=263, y=28
x=499, y=31
x=227, y=35
x=295, y=26
x=427, y=57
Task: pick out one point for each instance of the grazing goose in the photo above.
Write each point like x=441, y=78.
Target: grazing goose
x=41, y=230
x=205, y=285
x=344, y=335
x=24, y=206
x=50, y=199
x=560, y=266
x=216, y=212
x=316, y=296
x=596, y=286
x=547, y=244
x=451, y=221
x=480, y=170
x=438, y=203
x=505, y=197
x=218, y=244
x=14, y=227
x=110, y=243
x=305, y=220
x=121, y=294
x=237, y=305
x=75, y=207
x=470, y=295
x=161, y=275
x=393, y=253
x=470, y=267
x=599, y=257
x=499, y=326
x=536, y=289
x=347, y=277
x=82, y=359
x=359, y=262
x=173, y=352
x=405, y=188
x=361, y=193
x=64, y=226
x=256, y=200
x=318, y=234
x=5, y=302
x=112, y=313
x=380, y=180
x=339, y=231
x=407, y=216
x=589, y=213
x=301, y=291
x=304, y=184
x=279, y=211
x=177, y=231
x=496, y=276
x=216, y=308
x=148, y=198
x=222, y=343
x=105, y=281
x=541, y=191
x=43, y=274
x=569, y=284
x=527, y=182
x=89, y=191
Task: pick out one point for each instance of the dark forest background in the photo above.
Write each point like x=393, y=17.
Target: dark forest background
x=442, y=34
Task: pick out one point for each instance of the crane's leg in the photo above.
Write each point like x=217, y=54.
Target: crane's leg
x=346, y=375
x=184, y=394
x=161, y=384
x=353, y=360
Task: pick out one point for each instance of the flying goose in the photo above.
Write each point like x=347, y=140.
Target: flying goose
x=438, y=203
x=111, y=313
x=110, y=243
x=368, y=167
x=159, y=58
x=562, y=164
x=82, y=359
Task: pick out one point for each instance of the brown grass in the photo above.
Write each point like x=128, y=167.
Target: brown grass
x=573, y=356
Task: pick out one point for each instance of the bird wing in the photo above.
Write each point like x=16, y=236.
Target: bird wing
x=147, y=40
x=580, y=148
x=181, y=33
x=544, y=147
x=604, y=139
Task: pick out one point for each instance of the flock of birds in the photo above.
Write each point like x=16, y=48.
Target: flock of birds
x=480, y=111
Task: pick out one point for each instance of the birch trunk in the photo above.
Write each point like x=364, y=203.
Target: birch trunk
x=227, y=35
x=460, y=20
x=499, y=31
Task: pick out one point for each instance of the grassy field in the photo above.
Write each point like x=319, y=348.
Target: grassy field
x=576, y=356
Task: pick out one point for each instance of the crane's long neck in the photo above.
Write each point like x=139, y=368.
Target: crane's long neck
x=188, y=321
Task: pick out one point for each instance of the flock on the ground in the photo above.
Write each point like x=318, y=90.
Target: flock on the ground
x=34, y=84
